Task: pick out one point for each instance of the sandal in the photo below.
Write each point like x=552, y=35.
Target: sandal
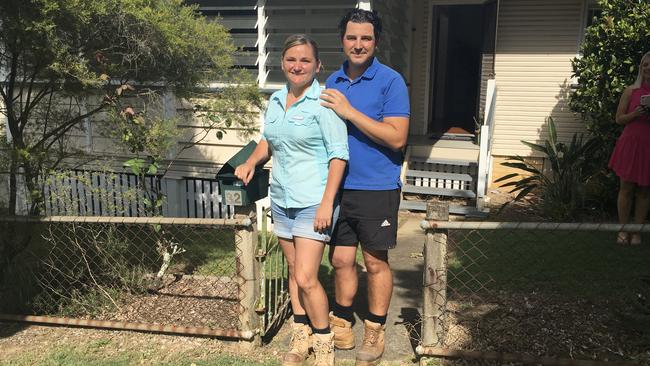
x=635, y=239
x=623, y=238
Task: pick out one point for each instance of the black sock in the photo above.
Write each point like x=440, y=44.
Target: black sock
x=301, y=319
x=325, y=330
x=343, y=312
x=376, y=318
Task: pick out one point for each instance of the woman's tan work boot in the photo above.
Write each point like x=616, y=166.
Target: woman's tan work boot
x=323, y=349
x=342, y=329
x=299, y=346
x=373, y=345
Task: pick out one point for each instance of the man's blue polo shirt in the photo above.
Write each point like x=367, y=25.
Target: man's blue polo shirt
x=380, y=92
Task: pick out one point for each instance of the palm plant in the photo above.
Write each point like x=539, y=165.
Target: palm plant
x=561, y=187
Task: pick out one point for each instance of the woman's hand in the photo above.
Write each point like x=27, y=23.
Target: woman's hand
x=639, y=111
x=245, y=172
x=323, y=219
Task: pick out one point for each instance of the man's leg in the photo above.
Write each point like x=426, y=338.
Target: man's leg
x=377, y=235
x=346, y=281
x=380, y=281
x=380, y=290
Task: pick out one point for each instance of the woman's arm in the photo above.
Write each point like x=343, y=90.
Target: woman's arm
x=622, y=117
x=324, y=212
x=260, y=155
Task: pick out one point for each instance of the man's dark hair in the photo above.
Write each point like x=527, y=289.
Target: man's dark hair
x=361, y=16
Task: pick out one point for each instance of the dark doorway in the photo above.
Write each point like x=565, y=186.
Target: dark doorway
x=462, y=61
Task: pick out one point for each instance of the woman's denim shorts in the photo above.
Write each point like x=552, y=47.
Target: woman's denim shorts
x=290, y=222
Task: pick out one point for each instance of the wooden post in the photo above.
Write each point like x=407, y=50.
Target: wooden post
x=249, y=277
x=434, y=278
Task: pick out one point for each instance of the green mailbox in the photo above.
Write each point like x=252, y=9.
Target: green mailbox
x=233, y=191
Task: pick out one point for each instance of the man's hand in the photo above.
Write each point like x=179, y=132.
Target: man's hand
x=323, y=218
x=336, y=101
x=245, y=172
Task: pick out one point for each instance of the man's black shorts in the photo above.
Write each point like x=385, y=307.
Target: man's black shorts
x=369, y=218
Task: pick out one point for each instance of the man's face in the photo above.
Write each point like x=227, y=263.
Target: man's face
x=359, y=43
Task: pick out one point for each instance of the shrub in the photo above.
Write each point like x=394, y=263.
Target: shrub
x=562, y=188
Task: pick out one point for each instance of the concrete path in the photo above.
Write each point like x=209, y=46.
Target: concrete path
x=403, y=316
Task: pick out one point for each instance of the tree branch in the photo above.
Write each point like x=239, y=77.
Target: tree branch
x=61, y=130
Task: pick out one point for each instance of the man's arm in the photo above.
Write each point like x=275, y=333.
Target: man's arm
x=392, y=132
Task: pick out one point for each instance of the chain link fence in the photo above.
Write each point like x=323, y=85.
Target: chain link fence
x=535, y=293
x=178, y=275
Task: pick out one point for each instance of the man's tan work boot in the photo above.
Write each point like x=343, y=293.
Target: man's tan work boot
x=299, y=346
x=342, y=329
x=373, y=345
x=323, y=349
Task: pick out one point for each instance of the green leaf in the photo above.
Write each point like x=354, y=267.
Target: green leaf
x=135, y=164
x=525, y=192
x=153, y=168
x=506, y=177
x=535, y=147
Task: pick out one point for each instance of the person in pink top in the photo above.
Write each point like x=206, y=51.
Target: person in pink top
x=631, y=157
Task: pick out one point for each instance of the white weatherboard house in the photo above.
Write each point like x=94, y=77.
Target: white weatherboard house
x=483, y=74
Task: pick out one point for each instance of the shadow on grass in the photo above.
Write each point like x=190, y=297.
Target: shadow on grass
x=546, y=293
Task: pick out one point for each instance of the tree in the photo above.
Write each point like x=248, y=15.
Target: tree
x=610, y=55
x=609, y=61
x=63, y=61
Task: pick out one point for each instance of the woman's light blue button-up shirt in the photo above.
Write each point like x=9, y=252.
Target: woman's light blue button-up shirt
x=303, y=139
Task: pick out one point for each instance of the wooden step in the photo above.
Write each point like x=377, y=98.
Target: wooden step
x=458, y=162
x=408, y=188
x=469, y=211
x=439, y=175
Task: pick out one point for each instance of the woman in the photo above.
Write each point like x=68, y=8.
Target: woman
x=631, y=157
x=308, y=143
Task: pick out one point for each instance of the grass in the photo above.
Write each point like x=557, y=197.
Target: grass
x=581, y=264
x=209, y=252
x=99, y=354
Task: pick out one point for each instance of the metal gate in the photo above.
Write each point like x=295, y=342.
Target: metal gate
x=273, y=304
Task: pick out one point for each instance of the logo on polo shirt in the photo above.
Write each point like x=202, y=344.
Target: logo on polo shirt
x=385, y=223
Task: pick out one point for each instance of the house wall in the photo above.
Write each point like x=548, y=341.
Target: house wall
x=536, y=41
x=394, y=46
x=203, y=158
x=420, y=66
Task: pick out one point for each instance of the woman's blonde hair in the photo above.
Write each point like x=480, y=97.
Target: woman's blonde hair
x=300, y=39
x=639, y=77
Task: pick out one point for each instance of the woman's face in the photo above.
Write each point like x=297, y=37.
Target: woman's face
x=300, y=66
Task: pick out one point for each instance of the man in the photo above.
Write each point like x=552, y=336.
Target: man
x=373, y=99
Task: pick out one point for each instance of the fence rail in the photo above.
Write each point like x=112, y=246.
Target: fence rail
x=534, y=292
x=178, y=275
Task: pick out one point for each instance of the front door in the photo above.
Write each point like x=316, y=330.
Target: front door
x=462, y=61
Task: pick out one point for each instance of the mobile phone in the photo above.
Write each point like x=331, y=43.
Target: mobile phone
x=645, y=101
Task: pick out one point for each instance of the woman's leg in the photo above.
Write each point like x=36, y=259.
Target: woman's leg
x=641, y=206
x=289, y=250
x=300, y=329
x=308, y=256
x=309, y=253
x=624, y=205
